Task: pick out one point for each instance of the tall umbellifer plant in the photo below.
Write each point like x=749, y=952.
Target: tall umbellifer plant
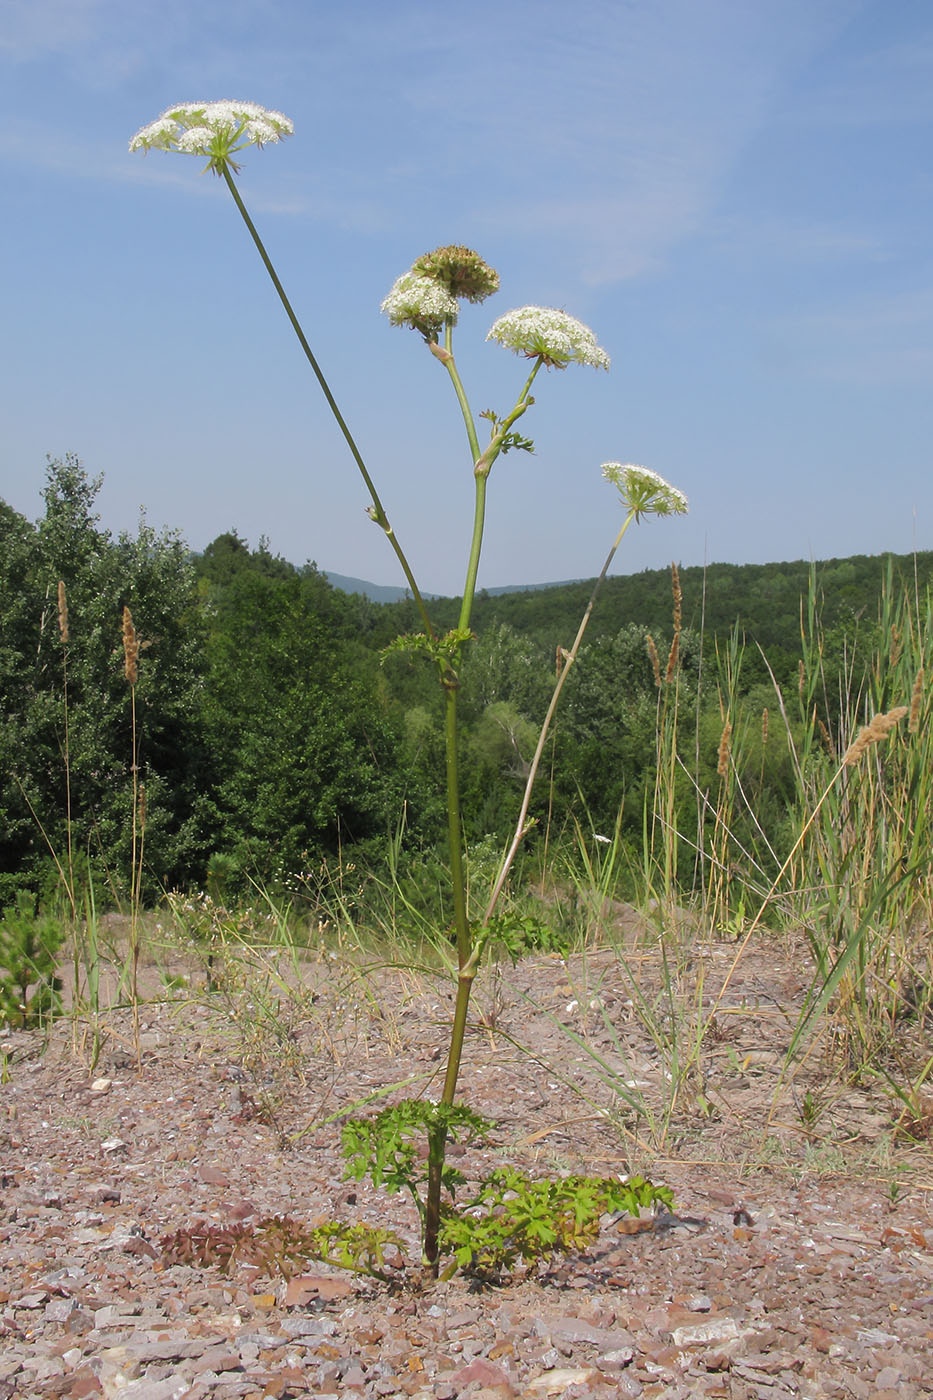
x=427, y=299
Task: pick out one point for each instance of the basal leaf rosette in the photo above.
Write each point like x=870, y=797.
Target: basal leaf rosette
x=215, y=130
x=540, y=332
x=643, y=491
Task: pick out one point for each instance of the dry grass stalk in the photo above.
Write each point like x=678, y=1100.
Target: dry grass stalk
x=62, y=612
x=672, y=659
x=130, y=648
x=913, y=724
x=897, y=646
x=678, y=624
x=879, y=728
x=655, y=660
x=725, y=747
x=678, y=598
x=764, y=726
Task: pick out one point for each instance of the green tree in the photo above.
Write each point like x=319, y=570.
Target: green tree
x=148, y=572
x=309, y=755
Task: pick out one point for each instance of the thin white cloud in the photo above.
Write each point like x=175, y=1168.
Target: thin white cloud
x=875, y=340
x=795, y=238
x=608, y=129
x=30, y=28
x=879, y=85
x=611, y=128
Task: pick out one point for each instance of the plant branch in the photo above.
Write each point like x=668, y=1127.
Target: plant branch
x=569, y=657
x=377, y=511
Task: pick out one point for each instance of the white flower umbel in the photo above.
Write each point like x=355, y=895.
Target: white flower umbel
x=422, y=303
x=643, y=491
x=216, y=130
x=552, y=336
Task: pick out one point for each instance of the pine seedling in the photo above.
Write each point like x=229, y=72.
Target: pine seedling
x=30, y=990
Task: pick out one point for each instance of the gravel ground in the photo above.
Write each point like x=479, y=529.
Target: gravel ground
x=798, y=1260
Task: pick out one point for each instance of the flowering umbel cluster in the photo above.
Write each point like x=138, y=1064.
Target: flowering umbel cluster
x=216, y=130
x=425, y=297
x=421, y=303
x=551, y=336
x=643, y=491
x=464, y=273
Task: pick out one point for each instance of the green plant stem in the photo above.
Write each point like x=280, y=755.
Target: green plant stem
x=377, y=511
x=454, y=831
x=135, y=880
x=466, y=960
x=447, y=359
x=481, y=469
x=569, y=657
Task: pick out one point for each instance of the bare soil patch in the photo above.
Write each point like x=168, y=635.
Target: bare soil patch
x=799, y=1260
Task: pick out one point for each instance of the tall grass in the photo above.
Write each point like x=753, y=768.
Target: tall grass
x=861, y=885
x=844, y=861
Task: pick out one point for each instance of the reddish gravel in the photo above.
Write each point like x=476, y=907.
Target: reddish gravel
x=799, y=1262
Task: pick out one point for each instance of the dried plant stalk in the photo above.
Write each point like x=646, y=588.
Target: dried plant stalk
x=678, y=624
x=655, y=659
x=130, y=648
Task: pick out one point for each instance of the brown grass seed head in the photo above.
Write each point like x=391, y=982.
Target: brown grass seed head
x=62, y=612
x=916, y=696
x=725, y=745
x=879, y=728
x=672, y=658
x=678, y=597
x=655, y=659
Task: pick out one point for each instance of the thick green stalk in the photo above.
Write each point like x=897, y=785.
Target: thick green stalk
x=437, y=1138
x=377, y=511
x=481, y=469
x=461, y=927
x=465, y=952
x=446, y=356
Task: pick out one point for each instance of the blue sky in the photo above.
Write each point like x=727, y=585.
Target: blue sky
x=737, y=195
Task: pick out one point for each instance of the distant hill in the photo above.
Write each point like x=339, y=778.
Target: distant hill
x=387, y=593
x=376, y=592
x=763, y=601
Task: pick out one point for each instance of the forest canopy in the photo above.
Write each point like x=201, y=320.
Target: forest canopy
x=274, y=731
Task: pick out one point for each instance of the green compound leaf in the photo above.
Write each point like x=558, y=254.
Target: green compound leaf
x=513, y=1217
x=384, y=1147
x=511, y=441
x=444, y=651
